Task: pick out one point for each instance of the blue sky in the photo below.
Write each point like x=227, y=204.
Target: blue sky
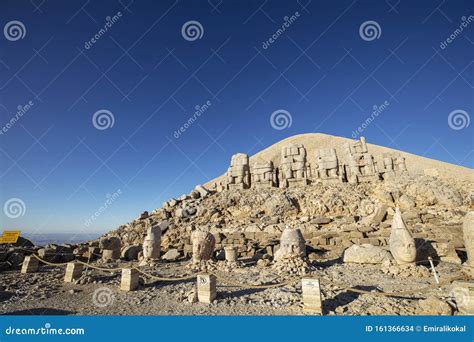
x=148, y=76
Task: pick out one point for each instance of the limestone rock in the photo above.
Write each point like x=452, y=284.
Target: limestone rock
x=433, y=306
x=131, y=252
x=172, y=255
x=111, y=243
x=365, y=254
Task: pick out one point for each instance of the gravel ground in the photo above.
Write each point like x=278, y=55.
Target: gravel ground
x=45, y=293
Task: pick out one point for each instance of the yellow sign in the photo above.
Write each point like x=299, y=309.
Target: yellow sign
x=10, y=236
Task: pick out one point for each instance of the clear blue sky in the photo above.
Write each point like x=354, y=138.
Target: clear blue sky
x=150, y=78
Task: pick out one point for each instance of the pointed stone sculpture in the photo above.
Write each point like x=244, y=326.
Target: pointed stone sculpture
x=152, y=243
x=203, y=246
x=468, y=232
x=402, y=243
x=292, y=244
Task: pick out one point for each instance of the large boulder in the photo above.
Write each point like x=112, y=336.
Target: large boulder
x=366, y=254
x=131, y=252
x=110, y=242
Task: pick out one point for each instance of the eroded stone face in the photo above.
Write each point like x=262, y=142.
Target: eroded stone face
x=152, y=243
x=468, y=232
x=402, y=243
x=203, y=246
x=292, y=245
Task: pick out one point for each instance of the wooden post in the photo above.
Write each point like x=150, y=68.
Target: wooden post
x=30, y=265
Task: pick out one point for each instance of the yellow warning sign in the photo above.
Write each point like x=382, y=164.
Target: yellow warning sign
x=10, y=236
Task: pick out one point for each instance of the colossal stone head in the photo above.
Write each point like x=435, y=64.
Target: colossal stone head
x=292, y=244
x=203, y=245
x=152, y=243
x=402, y=244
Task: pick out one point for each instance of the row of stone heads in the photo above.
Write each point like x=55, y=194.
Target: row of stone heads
x=358, y=166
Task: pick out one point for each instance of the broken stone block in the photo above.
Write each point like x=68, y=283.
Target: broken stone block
x=172, y=255
x=110, y=254
x=263, y=175
x=433, y=306
x=203, y=192
x=206, y=288
x=366, y=254
x=402, y=244
x=130, y=279
x=231, y=253
x=328, y=169
x=143, y=215
x=463, y=293
x=30, y=265
x=311, y=296
x=73, y=272
x=111, y=242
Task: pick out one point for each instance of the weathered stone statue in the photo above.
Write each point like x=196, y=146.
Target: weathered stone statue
x=152, y=243
x=385, y=166
x=238, y=174
x=402, y=244
x=468, y=232
x=292, y=245
x=400, y=165
x=327, y=166
x=360, y=164
x=203, y=245
x=294, y=168
x=264, y=175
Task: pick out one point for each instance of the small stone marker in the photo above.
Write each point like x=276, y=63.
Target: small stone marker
x=230, y=253
x=311, y=295
x=463, y=292
x=30, y=265
x=129, y=281
x=206, y=288
x=73, y=272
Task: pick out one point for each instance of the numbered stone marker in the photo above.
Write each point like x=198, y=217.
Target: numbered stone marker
x=206, y=288
x=311, y=296
x=73, y=272
x=129, y=280
x=30, y=265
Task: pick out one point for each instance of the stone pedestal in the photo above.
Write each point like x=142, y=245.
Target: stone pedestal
x=30, y=265
x=73, y=272
x=206, y=288
x=231, y=253
x=311, y=296
x=110, y=254
x=463, y=292
x=130, y=278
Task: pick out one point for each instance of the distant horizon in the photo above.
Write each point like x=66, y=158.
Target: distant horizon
x=108, y=109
